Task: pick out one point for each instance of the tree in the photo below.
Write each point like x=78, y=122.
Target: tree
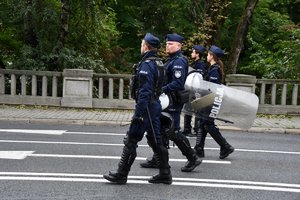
x=238, y=44
x=273, y=41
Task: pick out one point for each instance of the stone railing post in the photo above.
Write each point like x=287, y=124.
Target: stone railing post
x=77, y=88
x=241, y=81
x=2, y=84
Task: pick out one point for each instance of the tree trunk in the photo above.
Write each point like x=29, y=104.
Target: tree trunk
x=238, y=43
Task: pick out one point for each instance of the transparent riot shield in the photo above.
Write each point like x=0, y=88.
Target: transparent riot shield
x=212, y=101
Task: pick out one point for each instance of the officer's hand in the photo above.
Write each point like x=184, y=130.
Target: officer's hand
x=136, y=120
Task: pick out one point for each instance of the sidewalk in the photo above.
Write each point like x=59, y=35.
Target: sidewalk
x=37, y=115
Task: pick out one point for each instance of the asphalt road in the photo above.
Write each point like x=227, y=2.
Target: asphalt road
x=67, y=162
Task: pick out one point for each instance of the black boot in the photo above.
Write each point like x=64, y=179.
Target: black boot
x=226, y=148
x=225, y=151
x=116, y=177
x=200, y=152
x=191, y=164
x=184, y=145
x=127, y=159
x=164, y=175
x=151, y=163
x=200, y=141
x=187, y=128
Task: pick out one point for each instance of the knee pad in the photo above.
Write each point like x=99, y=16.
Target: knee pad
x=130, y=141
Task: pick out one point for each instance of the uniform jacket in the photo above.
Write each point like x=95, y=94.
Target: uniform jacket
x=214, y=74
x=176, y=71
x=200, y=66
x=147, y=76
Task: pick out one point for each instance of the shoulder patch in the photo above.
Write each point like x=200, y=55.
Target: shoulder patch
x=177, y=74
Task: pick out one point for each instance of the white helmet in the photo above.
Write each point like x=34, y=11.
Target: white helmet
x=193, y=80
x=164, y=101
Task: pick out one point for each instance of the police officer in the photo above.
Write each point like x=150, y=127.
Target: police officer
x=147, y=84
x=176, y=71
x=215, y=75
x=198, y=52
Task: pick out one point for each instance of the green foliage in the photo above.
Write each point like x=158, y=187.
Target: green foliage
x=105, y=35
x=273, y=45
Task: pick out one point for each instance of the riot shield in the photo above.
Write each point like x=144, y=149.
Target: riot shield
x=212, y=101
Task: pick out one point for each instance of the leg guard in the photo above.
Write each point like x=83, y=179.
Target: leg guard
x=127, y=159
x=183, y=144
x=200, y=141
x=187, y=130
x=197, y=124
x=151, y=163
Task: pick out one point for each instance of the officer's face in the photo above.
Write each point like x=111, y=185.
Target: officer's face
x=172, y=47
x=143, y=46
x=209, y=57
x=194, y=54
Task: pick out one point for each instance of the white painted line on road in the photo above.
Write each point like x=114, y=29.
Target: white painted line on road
x=95, y=133
x=118, y=158
x=48, y=132
x=110, y=134
x=141, y=145
x=97, y=178
x=17, y=155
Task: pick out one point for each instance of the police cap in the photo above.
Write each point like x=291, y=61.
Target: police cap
x=199, y=48
x=216, y=50
x=174, y=38
x=152, y=40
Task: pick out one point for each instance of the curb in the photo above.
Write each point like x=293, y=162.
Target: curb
x=125, y=123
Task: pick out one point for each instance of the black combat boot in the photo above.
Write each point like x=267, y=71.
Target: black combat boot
x=184, y=145
x=151, y=163
x=191, y=164
x=200, y=141
x=226, y=148
x=187, y=128
x=164, y=175
x=127, y=159
x=225, y=151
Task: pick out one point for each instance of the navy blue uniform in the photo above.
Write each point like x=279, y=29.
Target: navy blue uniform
x=147, y=75
x=176, y=71
x=146, y=87
x=200, y=66
x=214, y=74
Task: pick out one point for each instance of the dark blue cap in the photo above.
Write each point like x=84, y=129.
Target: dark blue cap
x=216, y=50
x=152, y=40
x=174, y=37
x=199, y=48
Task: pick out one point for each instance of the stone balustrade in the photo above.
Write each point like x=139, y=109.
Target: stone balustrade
x=83, y=88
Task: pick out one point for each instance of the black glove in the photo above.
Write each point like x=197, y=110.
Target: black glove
x=136, y=120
